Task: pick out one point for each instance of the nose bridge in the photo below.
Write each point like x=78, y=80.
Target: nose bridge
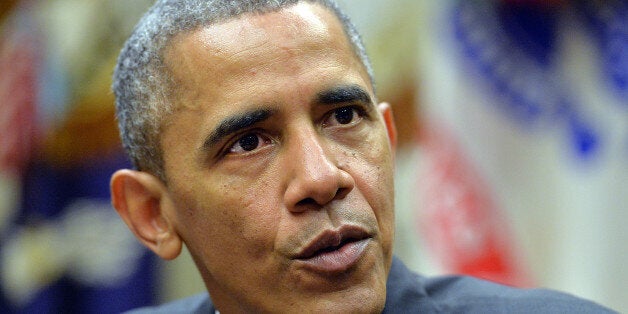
x=316, y=163
x=315, y=176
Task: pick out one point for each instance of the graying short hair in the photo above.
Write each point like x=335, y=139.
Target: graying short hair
x=141, y=81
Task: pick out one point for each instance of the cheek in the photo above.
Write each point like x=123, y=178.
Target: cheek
x=243, y=215
x=230, y=219
x=373, y=165
x=373, y=172
x=259, y=214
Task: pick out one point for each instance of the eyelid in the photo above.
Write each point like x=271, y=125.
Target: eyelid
x=226, y=150
x=362, y=112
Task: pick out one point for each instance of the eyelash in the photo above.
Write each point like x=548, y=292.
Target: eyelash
x=359, y=110
x=262, y=139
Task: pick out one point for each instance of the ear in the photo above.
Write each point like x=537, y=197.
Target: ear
x=144, y=204
x=389, y=121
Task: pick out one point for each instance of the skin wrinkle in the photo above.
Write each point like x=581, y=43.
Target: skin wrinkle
x=235, y=123
x=333, y=96
x=242, y=216
x=141, y=62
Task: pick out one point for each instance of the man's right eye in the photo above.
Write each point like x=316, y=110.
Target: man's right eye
x=249, y=142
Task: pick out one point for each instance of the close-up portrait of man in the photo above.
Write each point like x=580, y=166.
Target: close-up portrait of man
x=259, y=143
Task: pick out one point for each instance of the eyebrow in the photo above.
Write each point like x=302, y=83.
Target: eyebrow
x=236, y=123
x=342, y=94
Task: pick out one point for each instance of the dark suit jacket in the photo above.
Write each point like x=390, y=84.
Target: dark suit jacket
x=408, y=292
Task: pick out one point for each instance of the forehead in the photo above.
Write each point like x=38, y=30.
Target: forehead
x=284, y=28
x=256, y=42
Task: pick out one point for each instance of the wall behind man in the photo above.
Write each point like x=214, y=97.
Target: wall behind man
x=62, y=247
x=523, y=144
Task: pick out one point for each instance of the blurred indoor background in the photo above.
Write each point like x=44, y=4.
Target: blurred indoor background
x=512, y=163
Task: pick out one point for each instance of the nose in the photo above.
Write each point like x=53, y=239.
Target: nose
x=315, y=176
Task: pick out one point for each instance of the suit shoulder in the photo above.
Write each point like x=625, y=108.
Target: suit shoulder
x=470, y=295
x=199, y=303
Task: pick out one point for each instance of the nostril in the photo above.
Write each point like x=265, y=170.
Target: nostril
x=341, y=193
x=307, y=201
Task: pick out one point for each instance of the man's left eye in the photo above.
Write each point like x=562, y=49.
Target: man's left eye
x=343, y=116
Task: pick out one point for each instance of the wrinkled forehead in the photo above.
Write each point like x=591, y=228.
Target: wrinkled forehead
x=298, y=29
x=283, y=26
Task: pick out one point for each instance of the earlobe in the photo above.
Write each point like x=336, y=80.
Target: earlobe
x=143, y=202
x=389, y=121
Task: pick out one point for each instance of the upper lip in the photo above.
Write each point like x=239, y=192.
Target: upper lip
x=330, y=239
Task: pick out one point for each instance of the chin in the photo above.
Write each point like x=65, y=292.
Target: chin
x=369, y=296
x=366, y=296
x=365, y=302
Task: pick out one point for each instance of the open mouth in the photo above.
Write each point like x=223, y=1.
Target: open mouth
x=333, y=248
x=335, y=251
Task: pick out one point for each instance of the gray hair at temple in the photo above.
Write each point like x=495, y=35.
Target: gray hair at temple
x=141, y=81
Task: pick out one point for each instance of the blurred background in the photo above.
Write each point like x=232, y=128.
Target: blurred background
x=512, y=164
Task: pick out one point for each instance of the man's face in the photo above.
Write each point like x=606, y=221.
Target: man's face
x=279, y=165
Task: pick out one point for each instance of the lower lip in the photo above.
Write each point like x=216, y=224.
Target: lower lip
x=339, y=260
